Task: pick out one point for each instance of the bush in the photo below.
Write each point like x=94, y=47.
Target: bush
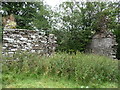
x=79, y=67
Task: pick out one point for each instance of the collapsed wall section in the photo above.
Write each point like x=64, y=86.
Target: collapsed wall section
x=27, y=40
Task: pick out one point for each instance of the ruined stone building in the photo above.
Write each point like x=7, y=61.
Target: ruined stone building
x=103, y=41
x=104, y=44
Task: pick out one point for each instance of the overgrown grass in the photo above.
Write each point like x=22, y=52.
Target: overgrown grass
x=0, y=65
x=85, y=70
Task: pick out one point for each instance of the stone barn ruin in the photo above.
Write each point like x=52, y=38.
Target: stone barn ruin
x=103, y=43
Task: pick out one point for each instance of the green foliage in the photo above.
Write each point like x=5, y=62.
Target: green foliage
x=117, y=33
x=0, y=34
x=79, y=67
x=27, y=14
x=114, y=24
x=79, y=21
x=0, y=28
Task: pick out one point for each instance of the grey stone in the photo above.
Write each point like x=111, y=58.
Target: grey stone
x=20, y=39
x=102, y=44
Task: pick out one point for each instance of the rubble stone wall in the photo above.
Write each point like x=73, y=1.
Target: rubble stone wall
x=27, y=40
x=103, y=44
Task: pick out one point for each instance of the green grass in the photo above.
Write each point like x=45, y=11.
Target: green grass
x=0, y=65
x=54, y=82
x=43, y=82
x=61, y=70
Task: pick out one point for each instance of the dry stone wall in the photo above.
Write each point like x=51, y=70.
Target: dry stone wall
x=27, y=40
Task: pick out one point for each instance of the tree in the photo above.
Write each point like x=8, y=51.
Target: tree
x=28, y=14
x=80, y=21
x=114, y=25
x=76, y=35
